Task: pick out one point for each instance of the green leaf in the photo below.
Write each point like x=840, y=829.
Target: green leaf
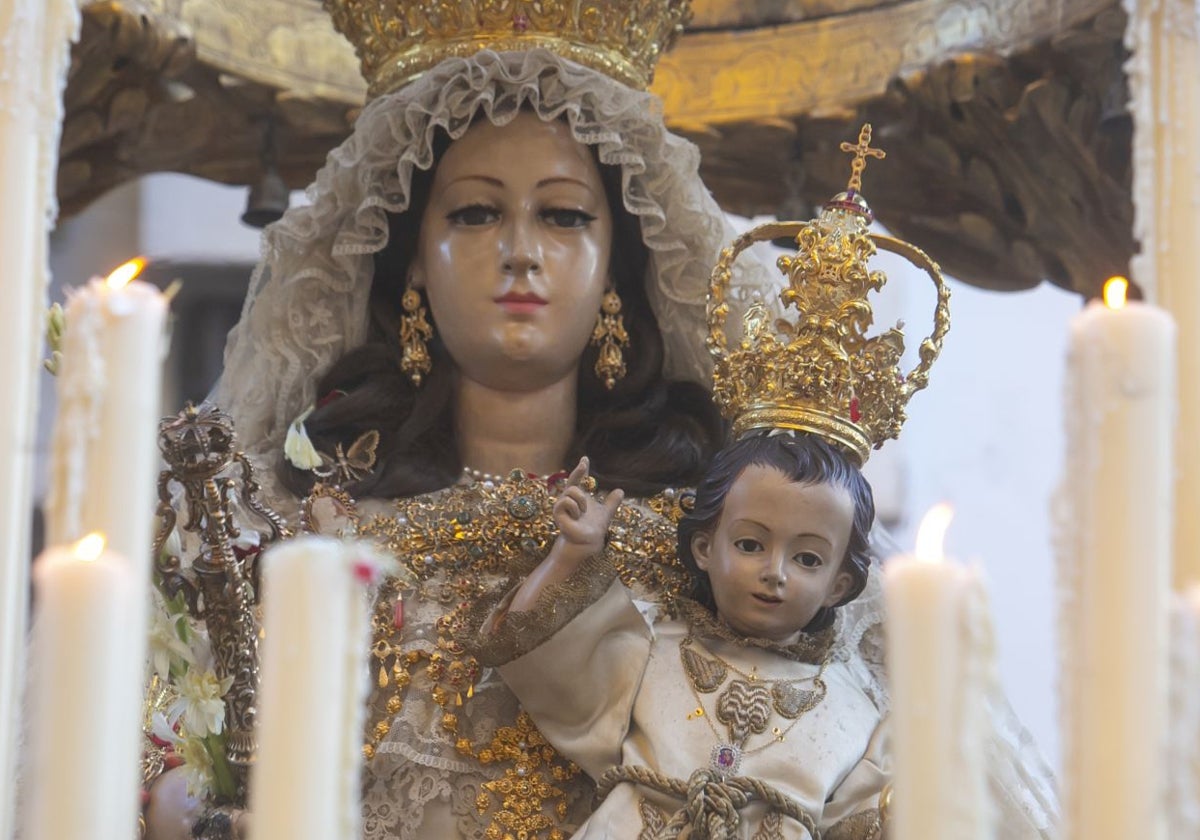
x=224, y=785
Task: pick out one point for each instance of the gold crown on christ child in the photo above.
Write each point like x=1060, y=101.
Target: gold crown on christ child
x=818, y=372
x=397, y=40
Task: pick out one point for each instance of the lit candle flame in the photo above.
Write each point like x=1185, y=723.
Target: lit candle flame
x=931, y=536
x=123, y=275
x=90, y=547
x=1115, y=290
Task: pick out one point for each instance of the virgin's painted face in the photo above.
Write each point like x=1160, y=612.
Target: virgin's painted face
x=775, y=556
x=514, y=252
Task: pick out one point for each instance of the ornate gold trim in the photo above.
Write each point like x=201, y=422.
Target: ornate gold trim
x=708, y=78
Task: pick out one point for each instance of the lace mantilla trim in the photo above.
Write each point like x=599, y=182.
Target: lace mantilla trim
x=811, y=648
x=558, y=605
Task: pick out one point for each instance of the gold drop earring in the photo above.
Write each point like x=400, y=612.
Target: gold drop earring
x=415, y=332
x=611, y=336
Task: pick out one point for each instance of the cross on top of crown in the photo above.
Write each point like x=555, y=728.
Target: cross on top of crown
x=861, y=150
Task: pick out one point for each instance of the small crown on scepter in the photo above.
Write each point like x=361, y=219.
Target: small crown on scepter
x=818, y=372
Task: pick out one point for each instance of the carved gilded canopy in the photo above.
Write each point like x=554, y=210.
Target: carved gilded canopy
x=1005, y=122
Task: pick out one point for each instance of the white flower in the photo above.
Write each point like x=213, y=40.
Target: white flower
x=163, y=730
x=198, y=765
x=297, y=448
x=202, y=656
x=166, y=646
x=201, y=705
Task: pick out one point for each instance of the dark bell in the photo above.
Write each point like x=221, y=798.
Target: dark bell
x=268, y=199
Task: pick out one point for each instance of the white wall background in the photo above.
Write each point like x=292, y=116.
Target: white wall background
x=985, y=436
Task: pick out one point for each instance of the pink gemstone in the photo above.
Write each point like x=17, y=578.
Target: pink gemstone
x=855, y=414
x=398, y=614
x=364, y=571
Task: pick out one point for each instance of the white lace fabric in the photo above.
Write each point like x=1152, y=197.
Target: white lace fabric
x=308, y=305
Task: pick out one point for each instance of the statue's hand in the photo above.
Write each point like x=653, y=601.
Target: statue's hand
x=171, y=813
x=582, y=521
x=581, y=517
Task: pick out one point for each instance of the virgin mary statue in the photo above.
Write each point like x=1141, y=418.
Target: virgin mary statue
x=501, y=270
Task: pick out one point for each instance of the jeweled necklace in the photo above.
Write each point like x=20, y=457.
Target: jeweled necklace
x=470, y=474
x=745, y=705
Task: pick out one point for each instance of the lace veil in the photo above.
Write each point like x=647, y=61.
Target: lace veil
x=307, y=303
x=308, y=297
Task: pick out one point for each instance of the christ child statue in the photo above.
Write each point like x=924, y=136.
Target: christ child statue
x=735, y=716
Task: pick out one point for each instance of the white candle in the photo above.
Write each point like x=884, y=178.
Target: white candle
x=82, y=771
x=936, y=632
x=1115, y=554
x=305, y=783
x=1164, y=88
x=104, y=464
x=1183, y=744
x=33, y=63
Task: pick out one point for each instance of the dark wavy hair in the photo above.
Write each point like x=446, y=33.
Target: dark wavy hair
x=644, y=435
x=804, y=459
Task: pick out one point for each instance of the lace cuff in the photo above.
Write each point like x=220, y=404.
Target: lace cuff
x=520, y=632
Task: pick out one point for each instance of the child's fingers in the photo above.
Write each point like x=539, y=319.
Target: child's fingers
x=579, y=473
x=568, y=507
x=613, y=501
x=578, y=496
x=565, y=503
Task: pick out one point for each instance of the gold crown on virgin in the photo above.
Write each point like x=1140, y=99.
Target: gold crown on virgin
x=397, y=40
x=818, y=372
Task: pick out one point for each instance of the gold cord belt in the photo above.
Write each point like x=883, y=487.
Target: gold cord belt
x=712, y=801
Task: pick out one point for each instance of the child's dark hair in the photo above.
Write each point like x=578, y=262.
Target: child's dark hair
x=804, y=459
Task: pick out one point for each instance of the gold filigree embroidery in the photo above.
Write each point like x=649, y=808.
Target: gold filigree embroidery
x=745, y=708
x=865, y=825
x=811, y=648
x=653, y=820
x=745, y=705
x=771, y=828
x=791, y=701
x=521, y=632
x=463, y=549
x=707, y=674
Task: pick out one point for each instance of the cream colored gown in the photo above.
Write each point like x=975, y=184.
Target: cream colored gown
x=449, y=752
x=608, y=689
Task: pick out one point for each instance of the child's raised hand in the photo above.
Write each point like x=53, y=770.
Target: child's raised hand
x=581, y=517
x=582, y=521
